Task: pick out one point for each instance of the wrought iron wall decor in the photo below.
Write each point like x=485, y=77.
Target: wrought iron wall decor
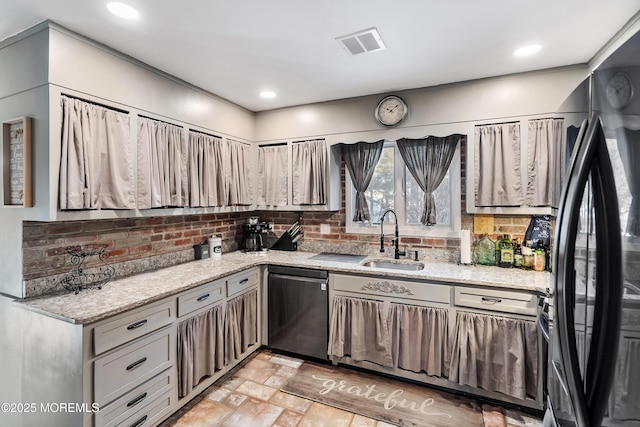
x=79, y=278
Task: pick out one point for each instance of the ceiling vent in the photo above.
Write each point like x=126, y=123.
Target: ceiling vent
x=363, y=41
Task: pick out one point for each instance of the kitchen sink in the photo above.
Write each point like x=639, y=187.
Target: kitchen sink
x=393, y=265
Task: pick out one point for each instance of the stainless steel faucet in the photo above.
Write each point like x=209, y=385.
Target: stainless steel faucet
x=396, y=241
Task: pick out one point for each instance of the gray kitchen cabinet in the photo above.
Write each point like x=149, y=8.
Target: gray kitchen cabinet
x=294, y=193
x=401, y=304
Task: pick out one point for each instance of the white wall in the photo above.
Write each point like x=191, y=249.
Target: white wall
x=488, y=99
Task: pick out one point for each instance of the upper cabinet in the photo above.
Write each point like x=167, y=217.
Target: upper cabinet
x=298, y=175
x=516, y=166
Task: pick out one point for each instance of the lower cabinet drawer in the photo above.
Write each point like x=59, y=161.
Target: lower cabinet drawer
x=117, y=373
x=150, y=414
x=503, y=301
x=242, y=281
x=137, y=400
x=200, y=297
x=390, y=287
x=129, y=326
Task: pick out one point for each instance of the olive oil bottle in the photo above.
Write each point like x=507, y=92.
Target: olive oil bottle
x=505, y=252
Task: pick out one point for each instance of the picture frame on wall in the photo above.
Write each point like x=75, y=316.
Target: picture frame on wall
x=16, y=162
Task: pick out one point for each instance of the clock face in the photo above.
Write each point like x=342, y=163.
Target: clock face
x=391, y=111
x=619, y=90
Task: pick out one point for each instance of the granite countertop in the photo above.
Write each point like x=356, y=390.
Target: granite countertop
x=127, y=293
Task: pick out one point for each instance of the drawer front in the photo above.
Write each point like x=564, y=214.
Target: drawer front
x=502, y=301
x=392, y=288
x=120, y=371
x=150, y=414
x=133, y=402
x=131, y=325
x=200, y=297
x=242, y=281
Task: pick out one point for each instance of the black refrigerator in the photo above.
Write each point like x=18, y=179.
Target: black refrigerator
x=593, y=370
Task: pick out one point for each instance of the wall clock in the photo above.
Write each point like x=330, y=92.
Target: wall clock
x=391, y=110
x=619, y=90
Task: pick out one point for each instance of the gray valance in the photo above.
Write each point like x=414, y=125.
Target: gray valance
x=428, y=161
x=361, y=160
x=496, y=354
x=200, y=348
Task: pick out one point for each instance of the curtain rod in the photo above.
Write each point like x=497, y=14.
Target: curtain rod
x=546, y=118
x=501, y=123
x=120, y=110
x=204, y=133
x=158, y=120
x=308, y=140
x=239, y=142
x=280, y=144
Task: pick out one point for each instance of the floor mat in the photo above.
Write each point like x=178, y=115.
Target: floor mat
x=385, y=399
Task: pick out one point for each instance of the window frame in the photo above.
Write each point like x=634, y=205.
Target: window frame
x=418, y=230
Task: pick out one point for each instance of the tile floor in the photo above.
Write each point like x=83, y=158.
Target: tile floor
x=250, y=396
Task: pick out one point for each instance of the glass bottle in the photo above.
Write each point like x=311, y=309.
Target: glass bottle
x=539, y=258
x=517, y=254
x=505, y=252
x=485, y=251
x=527, y=256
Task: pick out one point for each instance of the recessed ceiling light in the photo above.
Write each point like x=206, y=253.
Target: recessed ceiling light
x=123, y=10
x=268, y=94
x=527, y=50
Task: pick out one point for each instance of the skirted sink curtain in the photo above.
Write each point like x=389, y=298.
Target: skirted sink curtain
x=491, y=352
x=427, y=159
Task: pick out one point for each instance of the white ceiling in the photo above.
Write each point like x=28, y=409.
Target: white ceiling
x=235, y=49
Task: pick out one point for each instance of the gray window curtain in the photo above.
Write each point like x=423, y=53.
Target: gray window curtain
x=420, y=339
x=309, y=160
x=273, y=167
x=241, y=325
x=497, y=165
x=359, y=329
x=428, y=161
x=208, y=172
x=200, y=348
x=96, y=166
x=629, y=149
x=495, y=353
x=361, y=160
x=545, y=162
x=162, y=165
x=239, y=177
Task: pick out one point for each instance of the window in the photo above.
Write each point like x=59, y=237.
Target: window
x=393, y=187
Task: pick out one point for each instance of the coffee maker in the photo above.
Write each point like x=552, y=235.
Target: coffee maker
x=255, y=235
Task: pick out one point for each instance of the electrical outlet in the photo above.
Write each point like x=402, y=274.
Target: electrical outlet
x=325, y=229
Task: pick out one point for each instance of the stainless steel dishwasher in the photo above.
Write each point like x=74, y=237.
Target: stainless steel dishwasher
x=298, y=308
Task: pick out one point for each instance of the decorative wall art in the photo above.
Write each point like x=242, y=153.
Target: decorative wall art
x=16, y=165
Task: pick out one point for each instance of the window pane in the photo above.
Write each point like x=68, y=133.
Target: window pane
x=380, y=193
x=415, y=200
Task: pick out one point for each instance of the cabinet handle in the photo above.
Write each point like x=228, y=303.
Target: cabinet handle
x=243, y=281
x=137, y=363
x=203, y=297
x=491, y=300
x=137, y=324
x=139, y=422
x=137, y=400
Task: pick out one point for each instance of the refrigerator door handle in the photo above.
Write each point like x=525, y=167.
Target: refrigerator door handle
x=609, y=285
x=564, y=295
x=589, y=397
